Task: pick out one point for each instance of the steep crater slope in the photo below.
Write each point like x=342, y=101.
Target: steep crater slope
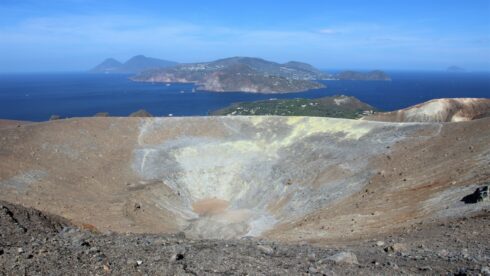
x=229, y=177
x=438, y=110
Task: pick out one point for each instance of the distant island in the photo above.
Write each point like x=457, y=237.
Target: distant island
x=134, y=65
x=336, y=106
x=254, y=75
x=235, y=74
x=242, y=74
x=455, y=68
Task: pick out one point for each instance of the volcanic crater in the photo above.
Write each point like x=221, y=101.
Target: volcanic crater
x=281, y=178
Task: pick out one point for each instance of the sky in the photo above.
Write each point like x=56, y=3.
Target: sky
x=75, y=35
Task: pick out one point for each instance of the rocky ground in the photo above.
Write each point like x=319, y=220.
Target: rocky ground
x=12, y=123
x=33, y=243
x=342, y=197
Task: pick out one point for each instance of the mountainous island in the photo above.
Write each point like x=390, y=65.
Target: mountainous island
x=243, y=74
x=336, y=106
x=235, y=74
x=134, y=65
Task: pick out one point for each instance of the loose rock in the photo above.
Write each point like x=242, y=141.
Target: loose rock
x=266, y=249
x=177, y=257
x=397, y=247
x=344, y=258
x=480, y=194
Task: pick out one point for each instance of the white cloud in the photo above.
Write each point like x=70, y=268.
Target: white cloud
x=328, y=31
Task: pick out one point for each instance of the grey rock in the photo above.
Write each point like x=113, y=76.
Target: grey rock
x=266, y=249
x=443, y=253
x=393, y=265
x=396, y=248
x=344, y=258
x=312, y=270
x=177, y=257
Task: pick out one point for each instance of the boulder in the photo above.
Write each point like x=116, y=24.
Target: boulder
x=343, y=258
x=480, y=194
x=267, y=250
x=396, y=247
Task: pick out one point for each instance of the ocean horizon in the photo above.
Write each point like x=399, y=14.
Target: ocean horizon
x=37, y=96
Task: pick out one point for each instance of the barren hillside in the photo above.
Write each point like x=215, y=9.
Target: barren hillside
x=284, y=178
x=438, y=110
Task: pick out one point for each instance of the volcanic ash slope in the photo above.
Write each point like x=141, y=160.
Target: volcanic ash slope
x=438, y=110
x=288, y=178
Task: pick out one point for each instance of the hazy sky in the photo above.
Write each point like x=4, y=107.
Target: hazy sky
x=57, y=35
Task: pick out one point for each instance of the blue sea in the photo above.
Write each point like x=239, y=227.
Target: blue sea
x=35, y=97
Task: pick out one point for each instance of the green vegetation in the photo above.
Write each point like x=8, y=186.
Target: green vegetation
x=336, y=106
